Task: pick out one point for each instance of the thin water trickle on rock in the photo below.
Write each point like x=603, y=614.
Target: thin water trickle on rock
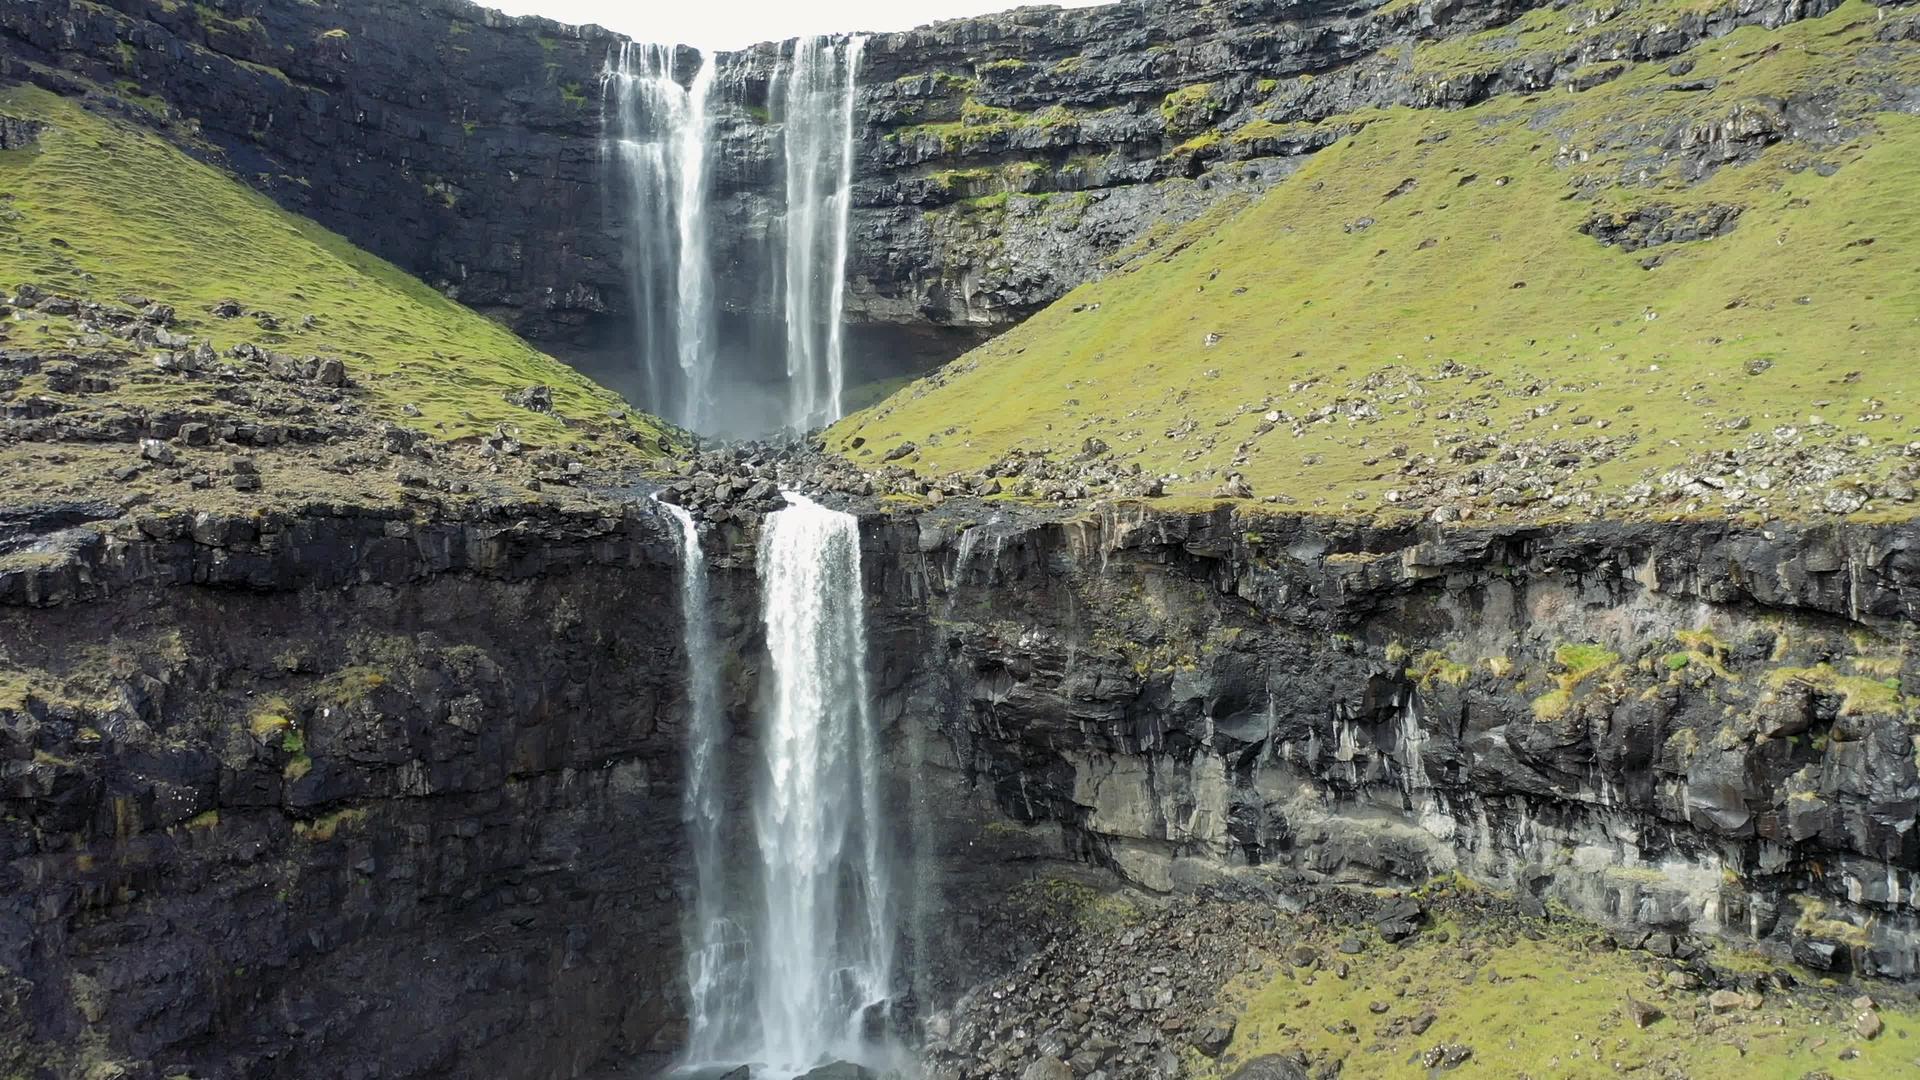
x=717, y=949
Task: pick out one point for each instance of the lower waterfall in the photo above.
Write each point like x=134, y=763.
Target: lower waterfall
x=824, y=970
x=716, y=946
x=790, y=942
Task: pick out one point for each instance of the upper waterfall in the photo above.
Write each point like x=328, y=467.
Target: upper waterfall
x=659, y=134
x=668, y=115
x=813, y=98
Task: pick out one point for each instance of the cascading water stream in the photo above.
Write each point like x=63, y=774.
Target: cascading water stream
x=813, y=97
x=660, y=132
x=717, y=951
x=661, y=136
x=824, y=960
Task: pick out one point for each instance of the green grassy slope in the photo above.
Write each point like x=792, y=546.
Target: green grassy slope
x=1552, y=1007
x=101, y=208
x=1424, y=286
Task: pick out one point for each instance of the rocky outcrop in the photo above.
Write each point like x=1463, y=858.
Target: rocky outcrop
x=1683, y=727
x=336, y=793
x=282, y=792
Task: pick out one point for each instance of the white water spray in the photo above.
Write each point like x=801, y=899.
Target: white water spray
x=661, y=136
x=813, y=98
x=823, y=968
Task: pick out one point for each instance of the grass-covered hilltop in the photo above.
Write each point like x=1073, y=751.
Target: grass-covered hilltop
x=171, y=333
x=1677, y=284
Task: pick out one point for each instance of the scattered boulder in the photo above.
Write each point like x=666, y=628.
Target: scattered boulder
x=1399, y=920
x=841, y=1070
x=1048, y=1068
x=1235, y=487
x=534, y=398
x=1214, y=1034
x=1271, y=1067
x=18, y=134
x=1447, y=1056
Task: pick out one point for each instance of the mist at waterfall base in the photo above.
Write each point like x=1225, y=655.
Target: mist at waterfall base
x=694, y=363
x=790, y=947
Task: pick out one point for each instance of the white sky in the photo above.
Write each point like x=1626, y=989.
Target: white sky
x=733, y=24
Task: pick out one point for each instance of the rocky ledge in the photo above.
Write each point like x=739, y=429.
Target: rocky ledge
x=1683, y=726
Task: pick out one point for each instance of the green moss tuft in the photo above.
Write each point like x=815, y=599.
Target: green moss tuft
x=1860, y=695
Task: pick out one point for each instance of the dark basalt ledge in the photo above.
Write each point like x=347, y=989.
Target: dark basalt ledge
x=338, y=792
x=347, y=791
x=1185, y=695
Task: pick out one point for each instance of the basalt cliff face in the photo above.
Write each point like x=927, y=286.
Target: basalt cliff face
x=1687, y=728
x=335, y=793
x=366, y=794
x=999, y=161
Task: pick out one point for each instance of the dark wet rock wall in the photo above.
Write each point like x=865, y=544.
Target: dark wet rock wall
x=1685, y=727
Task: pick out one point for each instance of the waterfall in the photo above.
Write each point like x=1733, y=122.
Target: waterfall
x=716, y=949
x=813, y=98
x=659, y=134
x=824, y=966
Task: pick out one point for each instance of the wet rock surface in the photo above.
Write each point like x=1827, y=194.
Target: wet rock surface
x=1585, y=714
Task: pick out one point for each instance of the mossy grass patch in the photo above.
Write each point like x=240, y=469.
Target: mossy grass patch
x=1433, y=268
x=1545, y=1004
x=102, y=208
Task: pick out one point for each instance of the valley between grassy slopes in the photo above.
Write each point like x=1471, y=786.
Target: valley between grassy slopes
x=100, y=208
x=1426, y=316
